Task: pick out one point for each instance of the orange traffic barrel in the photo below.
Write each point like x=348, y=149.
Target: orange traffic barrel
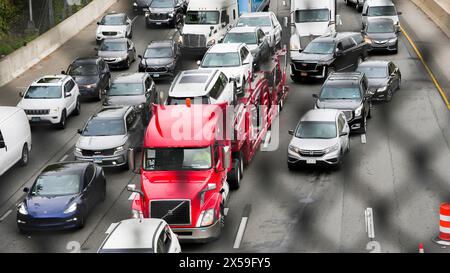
x=444, y=222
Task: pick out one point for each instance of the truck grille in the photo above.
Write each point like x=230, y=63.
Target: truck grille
x=38, y=112
x=306, y=66
x=98, y=152
x=194, y=40
x=109, y=33
x=312, y=153
x=159, y=16
x=179, y=216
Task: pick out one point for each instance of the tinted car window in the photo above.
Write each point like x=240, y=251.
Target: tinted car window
x=316, y=129
x=126, y=89
x=359, y=39
x=217, y=89
x=158, y=52
x=88, y=175
x=83, y=70
x=347, y=44
x=104, y=127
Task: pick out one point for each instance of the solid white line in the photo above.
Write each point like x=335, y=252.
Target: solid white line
x=363, y=139
x=240, y=234
x=63, y=158
x=370, y=228
x=225, y=211
x=132, y=196
x=267, y=140
x=5, y=215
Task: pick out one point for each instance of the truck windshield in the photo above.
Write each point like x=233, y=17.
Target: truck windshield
x=246, y=38
x=173, y=159
x=43, y=92
x=319, y=48
x=316, y=129
x=202, y=18
x=312, y=15
x=228, y=59
x=382, y=11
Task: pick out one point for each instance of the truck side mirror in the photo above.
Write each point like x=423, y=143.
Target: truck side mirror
x=26, y=190
x=285, y=22
x=199, y=62
x=338, y=20
x=132, y=161
x=160, y=97
x=291, y=132
x=226, y=158
x=132, y=188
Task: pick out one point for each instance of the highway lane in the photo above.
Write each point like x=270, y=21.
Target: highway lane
x=399, y=172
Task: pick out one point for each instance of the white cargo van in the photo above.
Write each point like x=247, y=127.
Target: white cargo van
x=205, y=23
x=15, y=138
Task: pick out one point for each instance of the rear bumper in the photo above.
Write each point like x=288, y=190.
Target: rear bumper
x=198, y=235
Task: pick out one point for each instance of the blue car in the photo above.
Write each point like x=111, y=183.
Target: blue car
x=62, y=196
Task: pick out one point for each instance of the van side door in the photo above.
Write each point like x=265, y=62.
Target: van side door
x=3, y=154
x=69, y=96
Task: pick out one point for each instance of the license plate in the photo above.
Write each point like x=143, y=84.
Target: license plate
x=156, y=75
x=97, y=159
x=35, y=119
x=310, y=161
x=303, y=74
x=158, y=23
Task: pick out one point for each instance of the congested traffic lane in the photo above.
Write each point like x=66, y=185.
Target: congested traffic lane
x=313, y=210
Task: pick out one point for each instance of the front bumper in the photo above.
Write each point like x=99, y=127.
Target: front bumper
x=26, y=222
x=116, y=63
x=158, y=22
x=116, y=160
x=44, y=119
x=156, y=73
x=88, y=92
x=327, y=159
x=318, y=71
x=198, y=235
x=382, y=47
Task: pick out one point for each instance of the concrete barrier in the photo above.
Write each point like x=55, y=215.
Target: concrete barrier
x=25, y=57
x=438, y=11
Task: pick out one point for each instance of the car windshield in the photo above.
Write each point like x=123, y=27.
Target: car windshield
x=254, y=21
x=172, y=159
x=158, y=52
x=312, y=15
x=382, y=11
x=182, y=101
x=380, y=27
x=113, y=46
x=126, y=89
x=373, y=72
x=43, y=92
x=319, y=48
x=56, y=185
x=316, y=129
x=104, y=127
x=340, y=92
x=202, y=18
x=246, y=38
x=112, y=21
x=228, y=59
x=162, y=4
x=83, y=70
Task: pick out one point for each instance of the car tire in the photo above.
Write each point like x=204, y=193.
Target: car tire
x=347, y=3
x=363, y=128
x=63, y=120
x=77, y=109
x=82, y=220
x=25, y=155
x=359, y=61
x=127, y=66
x=389, y=95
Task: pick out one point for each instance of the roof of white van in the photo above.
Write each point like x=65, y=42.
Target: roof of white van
x=7, y=111
x=209, y=4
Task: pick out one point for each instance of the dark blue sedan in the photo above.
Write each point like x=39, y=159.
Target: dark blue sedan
x=62, y=196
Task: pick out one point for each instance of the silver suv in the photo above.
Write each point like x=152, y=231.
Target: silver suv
x=321, y=136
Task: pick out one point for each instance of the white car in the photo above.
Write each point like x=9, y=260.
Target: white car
x=321, y=137
x=51, y=99
x=114, y=25
x=267, y=21
x=233, y=59
x=379, y=9
x=15, y=138
x=149, y=235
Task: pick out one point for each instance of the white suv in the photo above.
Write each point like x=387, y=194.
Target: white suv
x=233, y=59
x=267, y=21
x=51, y=99
x=114, y=25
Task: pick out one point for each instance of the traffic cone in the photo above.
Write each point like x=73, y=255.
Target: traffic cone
x=444, y=225
x=421, y=250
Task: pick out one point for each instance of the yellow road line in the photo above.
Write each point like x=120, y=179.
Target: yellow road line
x=436, y=83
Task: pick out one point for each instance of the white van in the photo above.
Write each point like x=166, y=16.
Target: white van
x=15, y=138
x=205, y=23
x=379, y=9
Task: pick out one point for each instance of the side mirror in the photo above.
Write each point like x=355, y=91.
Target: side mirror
x=291, y=132
x=199, y=62
x=2, y=145
x=26, y=190
x=98, y=23
x=338, y=20
x=67, y=95
x=140, y=56
x=343, y=134
x=96, y=48
x=21, y=94
x=132, y=188
x=285, y=22
x=132, y=161
x=399, y=13
x=315, y=96
x=63, y=72
x=226, y=158
x=339, y=53
x=79, y=131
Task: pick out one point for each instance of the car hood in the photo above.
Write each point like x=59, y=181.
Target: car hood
x=312, y=144
x=161, y=10
x=157, y=61
x=175, y=184
x=100, y=142
x=315, y=29
x=339, y=104
x=84, y=80
x=197, y=29
x=112, y=54
x=377, y=82
x=382, y=36
x=102, y=28
x=44, y=207
x=315, y=57
x=39, y=103
x=125, y=100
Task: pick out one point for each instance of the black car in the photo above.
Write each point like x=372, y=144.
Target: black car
x=255, y=39
x=328, y=54
x=91, y=74
x=160, y=59
x=165, y=12
x=136, y=89
x=347, y=92
x=141, y=6
x=62, y=196
x=382, y=35
x=384, y=78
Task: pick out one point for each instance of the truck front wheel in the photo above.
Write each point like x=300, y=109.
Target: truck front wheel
x=236, y=173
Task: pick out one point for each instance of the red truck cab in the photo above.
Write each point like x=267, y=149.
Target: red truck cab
x=184, y=168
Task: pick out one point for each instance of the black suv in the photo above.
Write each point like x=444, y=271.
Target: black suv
x=91, y=74
x=160, y=59
x=347, y=92
x=328, y=54
x=165, y=12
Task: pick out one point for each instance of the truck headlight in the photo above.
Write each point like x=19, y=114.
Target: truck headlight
x=331, y=149
x=208, y=218
x=23, y=209
x=55, y=110
x=71, y=208
x=358, y=111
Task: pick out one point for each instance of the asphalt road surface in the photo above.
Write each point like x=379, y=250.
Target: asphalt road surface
x=400, y=169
